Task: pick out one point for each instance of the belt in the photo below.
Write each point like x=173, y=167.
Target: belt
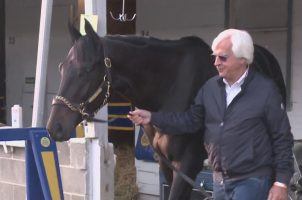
x=219, y=176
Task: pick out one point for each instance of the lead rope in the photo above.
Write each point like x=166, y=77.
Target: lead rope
x=189, y=180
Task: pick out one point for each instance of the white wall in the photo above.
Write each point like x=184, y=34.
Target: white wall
x=171, y=19
x=21, y=45
x=266, y=23
x=176, y=18
x=295, y=115
x=22, y=26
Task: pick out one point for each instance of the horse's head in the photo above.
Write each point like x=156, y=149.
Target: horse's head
x=84, y=86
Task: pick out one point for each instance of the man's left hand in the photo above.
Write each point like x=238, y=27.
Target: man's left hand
x=277, y=193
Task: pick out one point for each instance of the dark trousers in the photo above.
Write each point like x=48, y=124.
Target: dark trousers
x=255, y=188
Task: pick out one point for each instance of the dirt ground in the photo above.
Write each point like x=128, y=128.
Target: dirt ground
x=125, y=173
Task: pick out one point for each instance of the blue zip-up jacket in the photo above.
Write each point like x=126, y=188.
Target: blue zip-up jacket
x=252, y=133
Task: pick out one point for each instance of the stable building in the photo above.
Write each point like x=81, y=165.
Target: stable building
x=274, y=24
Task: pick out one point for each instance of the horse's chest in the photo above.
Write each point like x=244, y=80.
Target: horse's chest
x=172, y=147
x=161, y=142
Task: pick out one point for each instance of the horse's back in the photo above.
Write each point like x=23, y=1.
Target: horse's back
x=176, y=68
x=194, y=67
x=267, y=64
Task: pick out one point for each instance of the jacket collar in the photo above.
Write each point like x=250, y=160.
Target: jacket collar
x=220, y=95
x=249, y=77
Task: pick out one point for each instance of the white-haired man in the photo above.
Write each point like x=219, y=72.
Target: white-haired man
x=246, y=129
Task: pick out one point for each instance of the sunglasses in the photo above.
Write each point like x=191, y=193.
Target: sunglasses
x=222, y=58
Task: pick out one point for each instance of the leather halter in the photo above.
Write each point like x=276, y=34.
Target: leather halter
x=82, y=107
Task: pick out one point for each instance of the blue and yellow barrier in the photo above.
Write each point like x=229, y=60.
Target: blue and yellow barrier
x=43, y=178
x=118, y=112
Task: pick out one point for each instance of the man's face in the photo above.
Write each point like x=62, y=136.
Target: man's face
x=228, y=66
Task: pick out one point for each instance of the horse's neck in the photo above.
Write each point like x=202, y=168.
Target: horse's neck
x=134, y=76
x=158, y=76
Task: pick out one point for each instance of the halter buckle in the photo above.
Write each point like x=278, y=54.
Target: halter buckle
x=107, y=62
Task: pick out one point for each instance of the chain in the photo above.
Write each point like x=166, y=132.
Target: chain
x=82, y=106
x=68, y=104
x=107, y=95
x=80, y=109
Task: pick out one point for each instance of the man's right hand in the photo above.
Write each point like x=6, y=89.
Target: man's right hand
x=140, y=117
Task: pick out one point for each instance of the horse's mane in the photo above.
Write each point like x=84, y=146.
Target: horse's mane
x=180, y=53
x=152, y=41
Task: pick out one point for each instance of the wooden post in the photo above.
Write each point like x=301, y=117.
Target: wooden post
x=101, y=158
x=41, y=67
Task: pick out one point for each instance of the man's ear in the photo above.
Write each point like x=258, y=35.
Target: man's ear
x=243, y=61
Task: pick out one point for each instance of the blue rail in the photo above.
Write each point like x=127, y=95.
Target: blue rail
x=13, y=134
x=43, y=178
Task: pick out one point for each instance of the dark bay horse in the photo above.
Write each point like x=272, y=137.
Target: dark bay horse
x=154, y=75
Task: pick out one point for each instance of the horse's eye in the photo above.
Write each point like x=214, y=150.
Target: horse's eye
x=88, y=67
x=82, y=73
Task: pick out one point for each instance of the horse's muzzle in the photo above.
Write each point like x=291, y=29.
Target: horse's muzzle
x=56, y=132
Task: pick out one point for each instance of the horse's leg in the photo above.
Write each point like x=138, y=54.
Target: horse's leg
x=190, y=165
x=150, y=132
x=180, y=189
x=168, y=173
x=160, y=143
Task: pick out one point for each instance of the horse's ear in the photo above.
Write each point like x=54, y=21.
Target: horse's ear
x=74, y=33
x=89, y=30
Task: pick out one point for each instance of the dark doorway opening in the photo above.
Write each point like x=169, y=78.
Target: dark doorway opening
x=117, y=27
x=119, y=133
x=122, y=130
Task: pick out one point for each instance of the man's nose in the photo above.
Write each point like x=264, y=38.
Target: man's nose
x=217, y=61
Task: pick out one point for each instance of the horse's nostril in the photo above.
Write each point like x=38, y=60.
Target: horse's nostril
x=56, y=131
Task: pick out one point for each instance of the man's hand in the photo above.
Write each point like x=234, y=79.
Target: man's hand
x=140, y=117
x=277, y=193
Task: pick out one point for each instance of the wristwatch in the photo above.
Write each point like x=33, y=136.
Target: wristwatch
x=279, y=184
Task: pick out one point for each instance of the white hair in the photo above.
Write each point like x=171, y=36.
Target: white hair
x=242, y=43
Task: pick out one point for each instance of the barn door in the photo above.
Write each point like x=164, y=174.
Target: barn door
x=2, y=61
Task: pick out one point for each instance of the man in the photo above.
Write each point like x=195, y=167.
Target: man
x=246, y=129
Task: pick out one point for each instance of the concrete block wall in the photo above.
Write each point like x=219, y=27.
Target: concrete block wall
x=74, y=174
x=12, y=174
x=72, y=159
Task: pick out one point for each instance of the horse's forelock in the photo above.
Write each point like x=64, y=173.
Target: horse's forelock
x=86, y=52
